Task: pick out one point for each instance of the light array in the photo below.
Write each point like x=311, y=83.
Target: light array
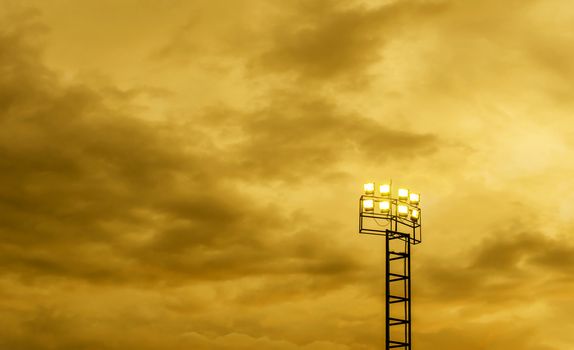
x=407, y=205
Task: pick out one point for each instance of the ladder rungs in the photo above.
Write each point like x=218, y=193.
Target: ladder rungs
x=397, y=299
x=397, y=321
x=397, y=277
x=398, y=236
x=397, y=344
x=398, y=255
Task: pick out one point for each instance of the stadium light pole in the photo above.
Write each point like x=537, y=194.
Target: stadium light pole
x=398, y=219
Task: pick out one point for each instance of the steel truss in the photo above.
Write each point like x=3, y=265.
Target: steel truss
x=399, y=235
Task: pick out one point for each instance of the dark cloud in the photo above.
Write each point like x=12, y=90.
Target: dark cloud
x=506, y=277
x=321, y=41
x=316, y=41
x=93, y=196
x=226, y=228
x=509, y=271
x=296, y=136
x=92, y=193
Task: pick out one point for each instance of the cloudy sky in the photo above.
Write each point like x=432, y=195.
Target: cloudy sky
x=185, y=174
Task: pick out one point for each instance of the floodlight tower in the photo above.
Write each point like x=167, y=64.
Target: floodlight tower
x=398, y=219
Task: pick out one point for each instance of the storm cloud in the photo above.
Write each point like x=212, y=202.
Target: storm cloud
x=186, y=176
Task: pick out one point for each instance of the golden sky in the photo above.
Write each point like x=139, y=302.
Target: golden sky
x=185, y=174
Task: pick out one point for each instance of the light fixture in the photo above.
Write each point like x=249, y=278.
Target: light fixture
x=385, y=190
x=368, y=204
x=369, y=188
x=403, y=210
x=384, y=206
x=414, y=198
x=415, y=214
x=403, y=193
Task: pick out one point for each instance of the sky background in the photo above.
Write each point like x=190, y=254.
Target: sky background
x=185, y=174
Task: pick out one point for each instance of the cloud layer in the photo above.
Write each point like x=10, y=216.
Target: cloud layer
x=187, y=177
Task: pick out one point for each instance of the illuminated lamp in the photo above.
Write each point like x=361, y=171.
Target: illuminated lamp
x=403, y=193
x=403, y=210
x=384, y=206
x=369, y=188
x=368, y=204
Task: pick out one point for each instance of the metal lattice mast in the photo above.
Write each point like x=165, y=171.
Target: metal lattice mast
x=399, y=221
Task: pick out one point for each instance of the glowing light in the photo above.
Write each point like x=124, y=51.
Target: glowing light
x=415, y=214
x=368, y=204
x=385, y=189
x=414, y=198
x=369, y=188
x=385, y=206
x=403, y=193
x=403, y=210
